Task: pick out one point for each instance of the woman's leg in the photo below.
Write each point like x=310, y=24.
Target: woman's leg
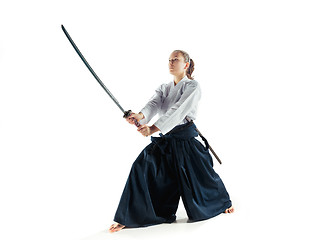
x=203, y=192
x=150, y=195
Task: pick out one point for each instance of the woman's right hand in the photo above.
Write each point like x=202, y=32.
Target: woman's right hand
x=134, y=116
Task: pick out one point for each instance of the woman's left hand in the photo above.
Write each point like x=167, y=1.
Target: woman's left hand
x=146, y=131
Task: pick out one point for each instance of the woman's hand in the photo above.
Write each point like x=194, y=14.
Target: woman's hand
x=134, y=116
x=146, y=131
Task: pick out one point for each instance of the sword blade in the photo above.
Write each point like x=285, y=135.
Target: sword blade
x=91, y=70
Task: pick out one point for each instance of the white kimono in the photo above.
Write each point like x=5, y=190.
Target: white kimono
x=173, y=104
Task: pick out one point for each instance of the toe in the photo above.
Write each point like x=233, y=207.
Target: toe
x=113, y=227
x=116, y=227
x=229, y=210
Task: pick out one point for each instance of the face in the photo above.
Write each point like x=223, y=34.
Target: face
x=176, y=65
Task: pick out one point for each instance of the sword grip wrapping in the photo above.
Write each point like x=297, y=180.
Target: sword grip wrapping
x=127, y=114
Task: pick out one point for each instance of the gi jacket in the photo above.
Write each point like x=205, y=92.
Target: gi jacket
x=173, y=103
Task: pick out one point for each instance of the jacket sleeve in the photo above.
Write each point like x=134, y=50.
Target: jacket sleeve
x=175, y=115
x=153, y=105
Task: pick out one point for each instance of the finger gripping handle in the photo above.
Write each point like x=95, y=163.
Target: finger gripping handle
x=127, y=114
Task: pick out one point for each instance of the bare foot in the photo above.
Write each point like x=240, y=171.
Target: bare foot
x=116, y=227
x=229, y=210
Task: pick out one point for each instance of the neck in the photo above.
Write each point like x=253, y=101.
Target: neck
x=178, y=78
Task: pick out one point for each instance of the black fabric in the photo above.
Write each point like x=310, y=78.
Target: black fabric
x=174, y=165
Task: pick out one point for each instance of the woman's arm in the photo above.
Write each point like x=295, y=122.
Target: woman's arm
x=181, y=108
x=153, y=105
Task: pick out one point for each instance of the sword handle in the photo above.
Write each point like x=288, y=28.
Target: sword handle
x=127, y=114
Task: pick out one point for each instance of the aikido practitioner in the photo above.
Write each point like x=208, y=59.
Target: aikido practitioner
x=175, y=164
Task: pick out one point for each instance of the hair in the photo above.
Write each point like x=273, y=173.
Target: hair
x=187, y=59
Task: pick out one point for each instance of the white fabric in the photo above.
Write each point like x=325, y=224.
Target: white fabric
x=173, y=104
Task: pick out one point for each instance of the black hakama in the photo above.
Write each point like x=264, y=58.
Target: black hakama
x=172, y=166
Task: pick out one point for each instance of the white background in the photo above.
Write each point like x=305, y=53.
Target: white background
x=267, y=73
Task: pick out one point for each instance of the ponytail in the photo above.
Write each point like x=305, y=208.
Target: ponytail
x=190, y=69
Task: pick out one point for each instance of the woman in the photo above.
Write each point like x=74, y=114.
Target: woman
x=175, y=164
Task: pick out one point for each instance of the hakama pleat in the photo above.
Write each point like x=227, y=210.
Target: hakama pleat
x=172, y=166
